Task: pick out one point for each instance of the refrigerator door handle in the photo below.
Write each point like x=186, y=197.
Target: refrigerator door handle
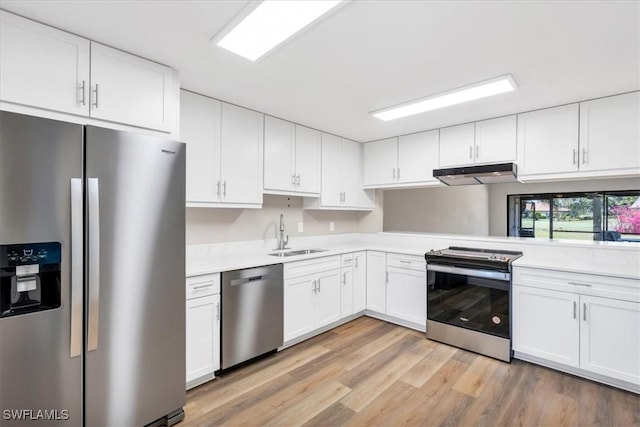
x=77, y=242
x=93, y=197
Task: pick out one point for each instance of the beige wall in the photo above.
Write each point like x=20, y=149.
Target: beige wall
x=207, y=225
x=498, y=195
x=449, y=210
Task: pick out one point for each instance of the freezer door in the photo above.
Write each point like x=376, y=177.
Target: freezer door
x=38, y=375
x=135, y=361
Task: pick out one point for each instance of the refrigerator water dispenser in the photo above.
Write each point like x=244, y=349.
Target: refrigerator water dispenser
x=29, y=278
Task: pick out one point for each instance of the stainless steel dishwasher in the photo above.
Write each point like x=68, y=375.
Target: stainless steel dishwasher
x=252, y=313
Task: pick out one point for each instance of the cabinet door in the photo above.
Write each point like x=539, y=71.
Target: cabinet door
x=546, y=324
x=200, y=129
x=457, y=145
x=360, y=282
x=548, y=141
x=610, y=338
x=380, y=160
x=241, y=155
x=200, y=321
x=327, y=298
x=331, y=177
x=418, y=157
x=43, y=67
x=307, y=165
x=131, y=90
x=407, y=295
x=346, y=292
x=298, y=306
x=496, y=140
x=610, y=133
x=351, y=172
x=377, y=281
x=279, y=143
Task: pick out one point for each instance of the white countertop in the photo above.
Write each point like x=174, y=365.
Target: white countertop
x=620, y=259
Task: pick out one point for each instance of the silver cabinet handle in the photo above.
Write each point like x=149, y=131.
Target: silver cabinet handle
x=94, y=262
x=293, y=179
x=398, y=174
x=584, y=155
x=394, y=174
x=217, y=311
x=218, y=192
x=477, y=151
x=575, y=156
x=405, y=262
x=95, y=99
x=81, y=89
x=298, y=180
x=584, y=311
x=224, y=189
x=471, y=152
x=319, y=284
x=574, y=309
x=77, y=242
x=315, y=285
x=344, y=278
x=356, y=262
x=580, y=284
x=208, y=285
x=344, y=196
x=387, y=277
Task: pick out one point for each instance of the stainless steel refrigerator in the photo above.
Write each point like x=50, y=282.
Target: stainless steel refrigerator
x=92, y=267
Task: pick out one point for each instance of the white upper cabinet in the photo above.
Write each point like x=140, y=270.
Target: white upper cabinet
x=291, y=158
x=224, y=153
x=400, y=162
x=610, y=134
x=43, y=67
x=495, y=140
x=200, y=130
x=307, y=166
x=241, y=155
x=380, y=162
x=342, y=187
x=279, y=151
x=131, y=90
x=418, y=157
x=484, y=142
x=457, y=145
x=51, y=73
x=548, y=141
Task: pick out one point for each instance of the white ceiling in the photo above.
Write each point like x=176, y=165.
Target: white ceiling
x=375, y=53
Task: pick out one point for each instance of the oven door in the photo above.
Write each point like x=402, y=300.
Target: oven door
x=469, y=298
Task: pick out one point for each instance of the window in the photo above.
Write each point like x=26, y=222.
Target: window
x=583, y=216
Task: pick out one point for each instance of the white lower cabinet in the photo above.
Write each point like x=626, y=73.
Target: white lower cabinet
x=377, y=281
x=353, y=279
x=407, y=295
x=202, y=329
x=570, y=321
x=311, y=295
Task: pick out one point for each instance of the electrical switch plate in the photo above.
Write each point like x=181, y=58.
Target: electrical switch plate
x=301, y=227
x=332, y=226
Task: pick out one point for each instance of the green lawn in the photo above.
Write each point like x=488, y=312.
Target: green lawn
x=562, y=229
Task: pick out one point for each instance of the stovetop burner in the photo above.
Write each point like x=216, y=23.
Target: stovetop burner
x=494, y=259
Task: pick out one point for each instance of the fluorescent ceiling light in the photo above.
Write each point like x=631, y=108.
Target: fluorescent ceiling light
x=472, y=92
x=271, y=23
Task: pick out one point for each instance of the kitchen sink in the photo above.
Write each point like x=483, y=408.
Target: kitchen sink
x=297, y=252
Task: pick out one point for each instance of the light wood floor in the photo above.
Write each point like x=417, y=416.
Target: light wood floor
x=372, y=373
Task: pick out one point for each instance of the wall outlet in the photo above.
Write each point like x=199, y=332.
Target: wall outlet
x=301, y=227
x=332, y=226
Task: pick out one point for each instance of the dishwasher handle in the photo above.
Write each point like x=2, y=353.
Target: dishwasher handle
x=257, y=274
x=239, y=282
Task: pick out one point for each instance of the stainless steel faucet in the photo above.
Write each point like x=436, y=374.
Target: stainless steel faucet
x=282, y=242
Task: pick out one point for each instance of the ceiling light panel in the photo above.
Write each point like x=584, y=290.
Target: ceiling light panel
x=271, y=23
x=468, y=93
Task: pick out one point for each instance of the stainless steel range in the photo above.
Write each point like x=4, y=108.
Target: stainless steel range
x=469, y=299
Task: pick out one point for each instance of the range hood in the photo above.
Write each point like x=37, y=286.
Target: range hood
x=483, y=174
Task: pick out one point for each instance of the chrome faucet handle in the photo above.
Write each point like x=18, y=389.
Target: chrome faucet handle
x=285, y=242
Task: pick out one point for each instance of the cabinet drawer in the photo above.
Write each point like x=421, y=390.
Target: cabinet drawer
x=199, y=286
x=312, y=266
x=348, y=260
x=580, y=283
x=411, y=262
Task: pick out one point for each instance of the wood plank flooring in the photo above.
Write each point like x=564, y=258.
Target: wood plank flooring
x=372, y=373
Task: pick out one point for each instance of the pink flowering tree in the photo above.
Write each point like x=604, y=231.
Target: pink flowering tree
x=628, y=219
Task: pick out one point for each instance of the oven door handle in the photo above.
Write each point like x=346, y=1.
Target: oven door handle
x=485, y=274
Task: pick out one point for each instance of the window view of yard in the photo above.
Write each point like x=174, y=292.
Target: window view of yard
x=581, y=216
